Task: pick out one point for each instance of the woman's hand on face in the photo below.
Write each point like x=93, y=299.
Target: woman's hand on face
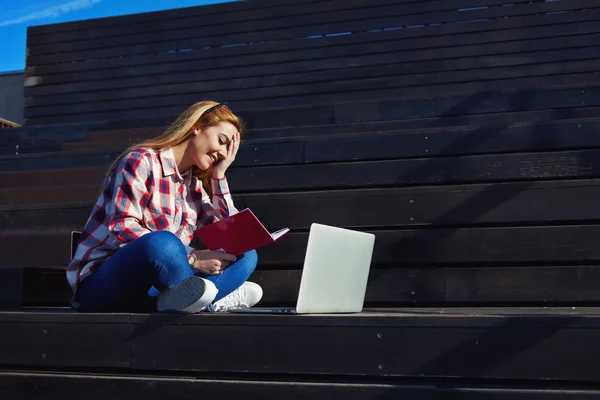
x=212, y=262
x=232, y=149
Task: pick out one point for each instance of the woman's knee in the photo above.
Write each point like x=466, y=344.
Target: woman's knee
x=168, y=258
x=163, y=244
x=248, y=261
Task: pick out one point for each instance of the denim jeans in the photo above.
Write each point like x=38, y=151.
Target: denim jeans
x=130, y=279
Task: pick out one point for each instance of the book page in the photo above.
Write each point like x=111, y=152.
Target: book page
x=279, y=233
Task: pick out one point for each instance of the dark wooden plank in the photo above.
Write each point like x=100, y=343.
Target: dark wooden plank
x=419, y=287
x=62, y=316
x=128, y=33
x=453, y=286
x=52, y=248
x=12, y=287
x=503, y=203
x=525, y=106
x=509, y=349
x=49, y=216
x=399, y=67
x=279, y=152
x=45, y=287
x=23, y=196
x=7, y=150
x=56, y=160
x=322, y=62
x=100, y=135
x=324, y=147
x=56, y=344
x=30, y=149
x=54, y=386
x=34, y=135
x=263, y=117
x=212, y=11
x=286, y=123
x=552, y=316
x=481, y=101
x=514, y=203
x=338, y=46
x=446, y=170
x=494, y=138
x=116, y=145
x=512, y=344
x=571, y=244
x=477, y=97
x=256, y=121
x=402, y=172
x=364, y=20
x=500, y=30
x=522, y=128
x=51, y=178
x=264, y=20
x=339, y=91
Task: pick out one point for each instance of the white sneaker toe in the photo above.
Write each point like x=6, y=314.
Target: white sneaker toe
x=254, y=293
x=246, y=296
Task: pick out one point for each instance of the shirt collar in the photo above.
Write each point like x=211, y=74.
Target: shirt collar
x=169, y=166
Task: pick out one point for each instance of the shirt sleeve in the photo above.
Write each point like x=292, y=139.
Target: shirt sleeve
x=132, y=184
x=220, y=206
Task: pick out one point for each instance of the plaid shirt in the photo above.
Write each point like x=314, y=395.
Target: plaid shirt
x=146, y=193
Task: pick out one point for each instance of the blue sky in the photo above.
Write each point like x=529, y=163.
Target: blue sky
x=17, y=15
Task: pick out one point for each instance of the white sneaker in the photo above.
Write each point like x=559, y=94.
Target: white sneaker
x=192, y=295
x=245, y=296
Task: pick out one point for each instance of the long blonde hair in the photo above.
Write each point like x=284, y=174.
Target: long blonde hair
x=200, y=115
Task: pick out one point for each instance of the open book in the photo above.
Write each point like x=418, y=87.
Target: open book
x=238, y=234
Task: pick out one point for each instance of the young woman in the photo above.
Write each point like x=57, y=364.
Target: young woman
x=134, y=252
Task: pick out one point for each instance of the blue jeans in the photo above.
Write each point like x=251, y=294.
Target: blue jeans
x=130, y=279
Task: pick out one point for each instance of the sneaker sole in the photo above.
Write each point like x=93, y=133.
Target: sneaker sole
x=192, y=295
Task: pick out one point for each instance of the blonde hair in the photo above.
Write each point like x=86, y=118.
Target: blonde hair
x=200, y=115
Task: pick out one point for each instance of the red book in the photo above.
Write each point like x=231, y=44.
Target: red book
x=237, y=234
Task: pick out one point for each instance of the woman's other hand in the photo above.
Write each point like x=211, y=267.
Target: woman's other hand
x=212, y=262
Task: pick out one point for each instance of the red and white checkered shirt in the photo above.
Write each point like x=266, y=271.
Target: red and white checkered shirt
x=146, y=193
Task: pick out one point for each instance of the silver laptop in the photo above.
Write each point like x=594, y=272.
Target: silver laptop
x=335, y=273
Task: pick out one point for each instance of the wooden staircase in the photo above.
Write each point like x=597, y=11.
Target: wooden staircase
x=464, y=134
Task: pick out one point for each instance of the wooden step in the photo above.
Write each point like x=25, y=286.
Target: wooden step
x=34, y=248
x=30, y=149
x=25, y=196
x=74, y=386
x=41, y=134
x=298, y=169
x=58, y=216
x=378, y=145
x=439, y=245
x=57, y=160
x=124, y=135
x=97, y=146
x=537, y=345
x=529, y=264
x=16, y=180
x=401, y=286
x=499, y=204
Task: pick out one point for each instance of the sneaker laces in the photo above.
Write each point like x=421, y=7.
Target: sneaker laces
x=235, y=299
